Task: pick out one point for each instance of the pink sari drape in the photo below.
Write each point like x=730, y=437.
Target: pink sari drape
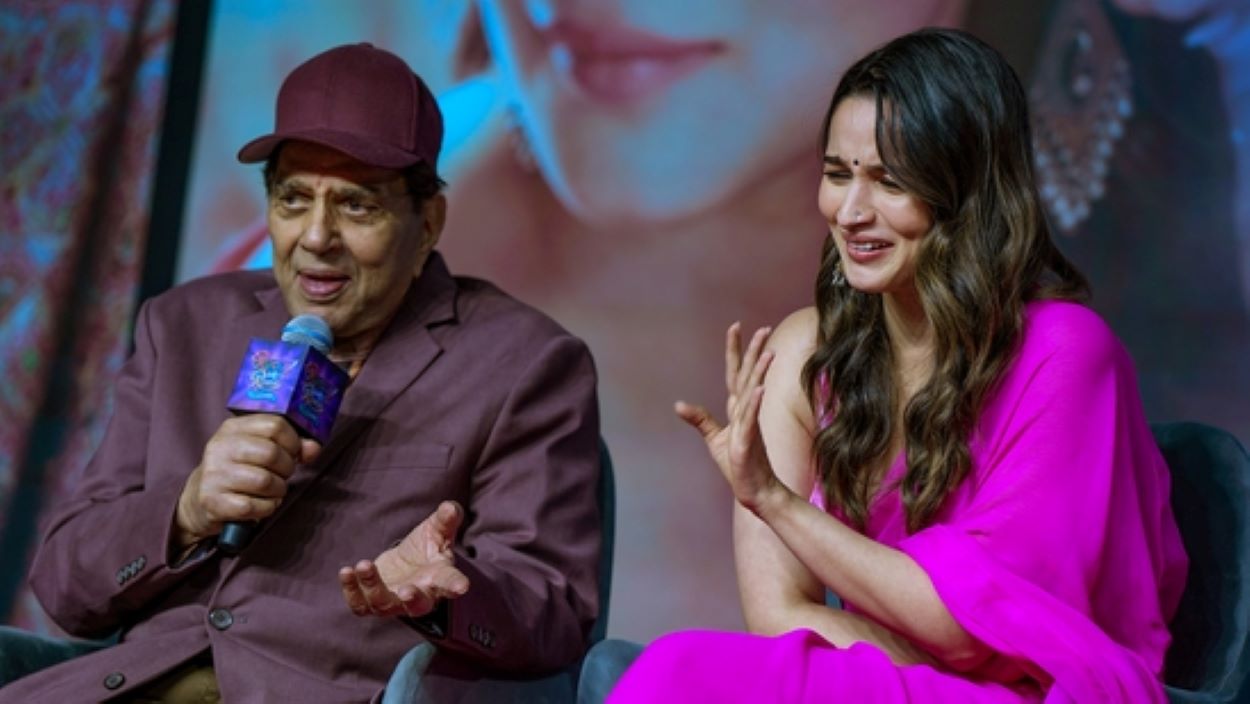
x=1059, y=552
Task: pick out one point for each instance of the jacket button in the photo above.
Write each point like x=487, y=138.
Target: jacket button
x=221, y=619
x=114, y=680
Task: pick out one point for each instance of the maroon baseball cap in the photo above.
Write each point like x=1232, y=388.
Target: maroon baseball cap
x=360, y=100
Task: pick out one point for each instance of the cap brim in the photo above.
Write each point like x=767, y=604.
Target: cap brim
x=363, y=150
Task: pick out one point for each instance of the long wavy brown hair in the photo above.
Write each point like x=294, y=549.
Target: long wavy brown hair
x=953, y=130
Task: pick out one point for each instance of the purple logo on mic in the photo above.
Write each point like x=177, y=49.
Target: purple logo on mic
x=267, y=372
x=292, y=380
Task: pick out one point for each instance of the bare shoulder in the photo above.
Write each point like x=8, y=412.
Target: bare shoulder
x=794, y=338
x=792, y=341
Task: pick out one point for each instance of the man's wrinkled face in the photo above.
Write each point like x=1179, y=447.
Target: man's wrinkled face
x=347, y=240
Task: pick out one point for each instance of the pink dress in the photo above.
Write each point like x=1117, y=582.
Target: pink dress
x=1059, y=553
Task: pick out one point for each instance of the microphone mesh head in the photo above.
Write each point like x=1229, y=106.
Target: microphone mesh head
x=309, y=330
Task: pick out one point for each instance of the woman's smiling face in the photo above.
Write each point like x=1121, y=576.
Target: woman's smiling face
x=877, y=226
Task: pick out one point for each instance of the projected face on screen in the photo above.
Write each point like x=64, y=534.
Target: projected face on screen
x=655, y=110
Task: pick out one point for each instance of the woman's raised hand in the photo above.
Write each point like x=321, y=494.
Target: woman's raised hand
x=737, y=446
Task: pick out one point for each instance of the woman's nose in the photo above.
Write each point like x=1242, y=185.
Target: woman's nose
x=855, y=209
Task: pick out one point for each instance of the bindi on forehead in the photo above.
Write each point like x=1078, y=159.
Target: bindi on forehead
x=866, y=161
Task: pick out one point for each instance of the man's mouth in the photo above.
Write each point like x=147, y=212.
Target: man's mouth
x=322, y=286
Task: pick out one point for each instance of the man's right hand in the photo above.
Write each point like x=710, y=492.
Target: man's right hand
x=242, y=475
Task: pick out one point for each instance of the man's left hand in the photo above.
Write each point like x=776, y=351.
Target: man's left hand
x=410, y=578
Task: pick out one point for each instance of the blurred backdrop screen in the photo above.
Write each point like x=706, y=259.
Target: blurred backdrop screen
x=646, y=172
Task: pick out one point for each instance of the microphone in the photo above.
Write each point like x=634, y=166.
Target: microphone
x=292, y=378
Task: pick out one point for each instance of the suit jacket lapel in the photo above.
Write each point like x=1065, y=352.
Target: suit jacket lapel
x=403, y=353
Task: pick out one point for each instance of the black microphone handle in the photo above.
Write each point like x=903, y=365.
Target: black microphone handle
x=306, y=330
x=235, y=536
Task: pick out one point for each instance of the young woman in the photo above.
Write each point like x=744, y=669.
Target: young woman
x=948, y=440
x=656, y=171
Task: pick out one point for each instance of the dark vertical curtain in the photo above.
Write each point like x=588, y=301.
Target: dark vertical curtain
x=82, y=87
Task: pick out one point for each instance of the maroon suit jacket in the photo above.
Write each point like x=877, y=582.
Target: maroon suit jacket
x=469, y=395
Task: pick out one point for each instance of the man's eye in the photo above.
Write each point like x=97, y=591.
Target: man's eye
x=357, y=207
x=290, y=200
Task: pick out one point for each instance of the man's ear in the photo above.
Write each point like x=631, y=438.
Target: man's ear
x=433, y=217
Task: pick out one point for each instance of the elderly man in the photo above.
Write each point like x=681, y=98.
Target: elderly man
x=469, y=416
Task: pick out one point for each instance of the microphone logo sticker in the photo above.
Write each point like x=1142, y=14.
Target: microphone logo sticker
x=316, y=394
x=292, y=380
x=265, y=376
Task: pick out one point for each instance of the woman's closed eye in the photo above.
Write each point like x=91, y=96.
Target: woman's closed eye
x=837, y=175
x=889, y=184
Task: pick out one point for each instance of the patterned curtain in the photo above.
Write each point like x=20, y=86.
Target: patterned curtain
x=82, y=87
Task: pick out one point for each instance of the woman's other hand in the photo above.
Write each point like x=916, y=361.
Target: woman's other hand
x=737, y=446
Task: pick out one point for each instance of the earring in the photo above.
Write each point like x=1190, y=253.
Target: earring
x=838, y=278
x=1081, y=96
x=522, y=153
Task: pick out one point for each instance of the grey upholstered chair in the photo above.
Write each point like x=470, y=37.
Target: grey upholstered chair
x=1210, y=654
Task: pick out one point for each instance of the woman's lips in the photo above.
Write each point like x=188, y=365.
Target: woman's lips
x=622, y=65
x=864, y=250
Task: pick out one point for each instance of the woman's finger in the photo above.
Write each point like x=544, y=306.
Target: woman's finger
x=747, y=362
x=760, y=369
x=745, y=429
x=745, y=420
x=698, y=418
x=747, y=411
x=733, y=356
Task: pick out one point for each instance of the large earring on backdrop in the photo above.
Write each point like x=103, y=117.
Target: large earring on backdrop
x=838, y=278
x=519, y=144
x=1081, y=96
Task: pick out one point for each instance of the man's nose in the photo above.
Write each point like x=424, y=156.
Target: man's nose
x=322, y=231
